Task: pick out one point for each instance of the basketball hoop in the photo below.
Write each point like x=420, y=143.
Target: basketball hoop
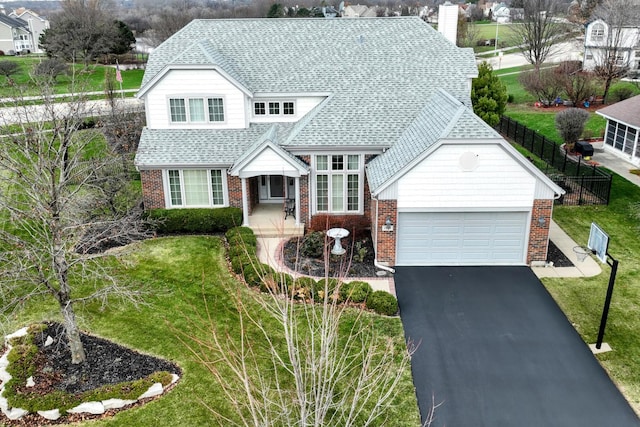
x=581, y=253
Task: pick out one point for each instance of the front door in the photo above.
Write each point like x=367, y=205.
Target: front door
x=272, y=188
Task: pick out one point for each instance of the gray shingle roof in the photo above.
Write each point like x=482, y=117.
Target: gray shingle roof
x=13, y=22
x=627, y=111
x=442, y=117
x=379, y=71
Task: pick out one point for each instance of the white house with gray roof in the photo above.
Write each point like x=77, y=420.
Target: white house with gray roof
x=363, y=121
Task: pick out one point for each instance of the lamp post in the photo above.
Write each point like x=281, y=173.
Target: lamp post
x=495, y=47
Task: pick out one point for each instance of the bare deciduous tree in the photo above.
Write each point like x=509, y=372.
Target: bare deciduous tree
x=329, y=366
x=61, y=203
x=612, y=51
x=578, y=85
x=538, y=32
x=546, y=85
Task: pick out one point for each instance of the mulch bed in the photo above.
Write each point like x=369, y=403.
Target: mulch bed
x=556, y=256
x=339, y=265
x=107, y=363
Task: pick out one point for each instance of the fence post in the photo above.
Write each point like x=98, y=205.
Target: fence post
x=553, y=152
x=581, y=190
x=542, y=150
x=564, y=164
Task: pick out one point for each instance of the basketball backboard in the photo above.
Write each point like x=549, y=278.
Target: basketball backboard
x=598, y=242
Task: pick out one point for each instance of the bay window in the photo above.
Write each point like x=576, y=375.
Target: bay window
x=196, y=187
x=337, y=183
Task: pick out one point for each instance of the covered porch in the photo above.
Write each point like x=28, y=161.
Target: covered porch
x=268, y=220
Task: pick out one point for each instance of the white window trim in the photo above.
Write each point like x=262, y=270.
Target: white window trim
x=266, y=102
x=345, y=173
x=601, y=32
x=205, y=99
x=167, y=188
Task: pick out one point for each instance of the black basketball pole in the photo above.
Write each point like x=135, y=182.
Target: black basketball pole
x=607, y=301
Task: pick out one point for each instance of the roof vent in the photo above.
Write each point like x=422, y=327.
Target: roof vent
x=361, y=39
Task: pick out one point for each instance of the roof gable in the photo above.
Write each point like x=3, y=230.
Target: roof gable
x=13, y=22
x=627, y=111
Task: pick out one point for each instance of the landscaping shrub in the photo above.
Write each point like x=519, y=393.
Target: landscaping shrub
x=303, y=288
x=382, y=303
x=355, y=291
x=241, y=236
x=570, y=124
x=620, y=93
x=358, y=225
x=329, y=285
x=277, y=282
x=205, y=220
x=313, y=244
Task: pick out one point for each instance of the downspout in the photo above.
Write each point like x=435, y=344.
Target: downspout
x=376, y=264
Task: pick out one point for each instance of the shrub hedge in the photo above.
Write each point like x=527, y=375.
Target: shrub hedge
x=382, y=303
x=179, y=221
x=242, y=254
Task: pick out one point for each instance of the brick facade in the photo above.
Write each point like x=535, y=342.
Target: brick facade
x=539, y=234
x=234, y=185
x=385, y=240
x=152, y=190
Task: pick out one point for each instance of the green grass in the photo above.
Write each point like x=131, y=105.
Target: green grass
x=582, y=299
x=488, y=31
x=90, y=80
x=179, y=272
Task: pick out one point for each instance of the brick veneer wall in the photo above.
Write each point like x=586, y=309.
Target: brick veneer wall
x=152, y=190
x=234, y=184
x=304, y=199
x=539, y=235
x=386, y=240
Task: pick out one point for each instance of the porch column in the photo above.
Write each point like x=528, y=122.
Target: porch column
x=297, y=184
x=245, y=203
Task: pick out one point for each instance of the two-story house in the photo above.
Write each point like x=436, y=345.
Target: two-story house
x=604, y=42
x=15, y=36
x=36, y=24
x=368, y=118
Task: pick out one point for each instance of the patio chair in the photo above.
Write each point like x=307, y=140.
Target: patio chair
x=290, y=208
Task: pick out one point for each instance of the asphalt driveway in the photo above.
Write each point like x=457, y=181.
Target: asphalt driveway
x=496, y=350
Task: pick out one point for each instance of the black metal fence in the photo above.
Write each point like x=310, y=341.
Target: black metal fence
x=585, y=184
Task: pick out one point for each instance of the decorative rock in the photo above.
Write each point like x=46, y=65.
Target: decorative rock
x=4, y=360
x=48, y=341
x=154, y=390
x=19, y=333
x=4, y=404
x=174, y=378
x=15, y=413
x=4, y=375
x=52, y=414
x=116, y=403
x=94, y=408
x=31, y=382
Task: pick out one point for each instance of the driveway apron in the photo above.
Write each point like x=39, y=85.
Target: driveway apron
x=494, y=349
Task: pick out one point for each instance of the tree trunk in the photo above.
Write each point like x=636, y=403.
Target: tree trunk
x=73, y=334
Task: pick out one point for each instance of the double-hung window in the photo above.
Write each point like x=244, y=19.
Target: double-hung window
x=597, y=32
x=196, y=110
x=195, y=187
x=337, y=183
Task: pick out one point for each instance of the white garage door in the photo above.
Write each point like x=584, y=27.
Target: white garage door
x=460, y=238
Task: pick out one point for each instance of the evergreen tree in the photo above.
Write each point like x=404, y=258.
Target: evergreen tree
x=488, y=95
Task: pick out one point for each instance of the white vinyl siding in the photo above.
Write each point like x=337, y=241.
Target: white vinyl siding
x=439, y=181
x=193, y=84
x=337, y=183
x=196, y=188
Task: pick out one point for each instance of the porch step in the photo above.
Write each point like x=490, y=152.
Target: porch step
x=281, y=230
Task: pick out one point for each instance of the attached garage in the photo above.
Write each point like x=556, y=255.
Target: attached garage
x=462, y=238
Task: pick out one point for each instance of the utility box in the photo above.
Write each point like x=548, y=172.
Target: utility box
x=584, y=148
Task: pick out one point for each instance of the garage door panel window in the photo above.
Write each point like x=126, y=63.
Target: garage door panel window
x=196, y=188
x=338, y=183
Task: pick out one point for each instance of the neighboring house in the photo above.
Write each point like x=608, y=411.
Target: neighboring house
x=366, y=119
x=14, y=35
x=602, y=40
x=359, y=11
x=35, y=23
x=623, y=128
x=501, y=13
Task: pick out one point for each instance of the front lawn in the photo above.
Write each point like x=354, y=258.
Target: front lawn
x=178, y=272
x=582, y=299
x=90, y=80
